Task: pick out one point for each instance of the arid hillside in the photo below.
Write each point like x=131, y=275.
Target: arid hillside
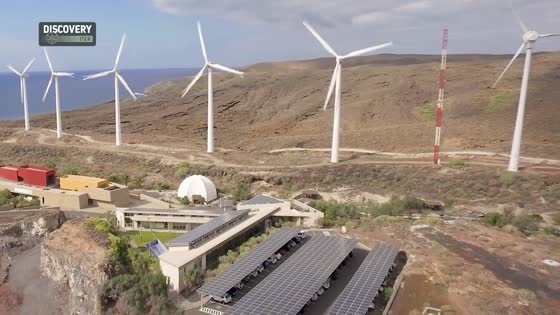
x=388, y=105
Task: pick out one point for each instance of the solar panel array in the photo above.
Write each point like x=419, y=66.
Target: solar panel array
x=287, y=289
x=202, y=231
x=364, y=285
x=245, y=265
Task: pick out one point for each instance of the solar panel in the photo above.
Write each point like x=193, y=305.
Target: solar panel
x=260, y=200
x=245, y=265
x=201, y=232
x=364, y=285
x=287, y=289
x=156, y=248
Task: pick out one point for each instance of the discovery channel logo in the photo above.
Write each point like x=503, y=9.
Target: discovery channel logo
x=67, y=34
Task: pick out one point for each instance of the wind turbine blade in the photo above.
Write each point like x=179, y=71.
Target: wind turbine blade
x=320, y=39
x=48, y=60
x=224, y=68
x=509, y=64
x=332, y=85
x=366, y=50
x=28, y=65
x=21, y=88
x=120, y=51
x=518, y=18
x=13, y=70
x=48, y=87
x=63, y=74
x=193, y=82
x=139, y=94
x=549, y=35
x=126, y=85
x=97, y=75
x=202, y=42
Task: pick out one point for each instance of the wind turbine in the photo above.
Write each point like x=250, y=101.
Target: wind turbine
x=118, y=78
x=530, y=37
x=55, y=75
x=210, y=66
x=336, y=82
x=23, y=90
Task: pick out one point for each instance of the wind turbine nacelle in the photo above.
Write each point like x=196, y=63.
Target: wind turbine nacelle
x=530, y=36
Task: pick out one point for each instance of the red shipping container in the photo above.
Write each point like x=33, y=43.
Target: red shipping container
x=10, y=173
x=36, y=175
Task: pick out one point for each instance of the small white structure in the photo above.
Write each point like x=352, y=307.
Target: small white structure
x=196, y=188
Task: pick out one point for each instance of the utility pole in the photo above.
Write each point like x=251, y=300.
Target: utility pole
x=441, y=98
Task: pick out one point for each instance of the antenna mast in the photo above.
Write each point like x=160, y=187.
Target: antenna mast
x=441, y=98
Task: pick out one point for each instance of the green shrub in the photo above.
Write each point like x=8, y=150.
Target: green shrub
x=430, y=221
x=5, y=197
x=510, y=228
x=184, y=200
x=71, y=170
x=507, y=179
x=387, y=294
x=526, y=296
x=550, y=230
x=183, y=171
x=102, y=225
x=241, y=191
x=454, y=163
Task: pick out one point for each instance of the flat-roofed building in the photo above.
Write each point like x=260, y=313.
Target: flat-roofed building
x=9, y=172
x=168, y=220
x=37, y=175
x=180, y=259
x=290, y=210
x=78, y=183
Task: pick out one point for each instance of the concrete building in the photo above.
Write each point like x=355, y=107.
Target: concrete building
x=78, y=183
x=289, y=210
x=165, y=220
x=109, y=198
x=29, y=174
x=197, y=189
x=216, y=241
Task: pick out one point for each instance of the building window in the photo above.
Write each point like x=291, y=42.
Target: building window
x=179, y=226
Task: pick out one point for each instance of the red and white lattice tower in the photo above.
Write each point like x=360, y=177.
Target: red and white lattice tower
x=441, y=98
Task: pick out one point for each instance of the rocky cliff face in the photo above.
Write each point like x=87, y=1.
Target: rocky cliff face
x=77, y=256
x=28, y=231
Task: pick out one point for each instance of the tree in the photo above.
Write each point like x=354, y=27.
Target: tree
x=241, y=192
x=192, y=279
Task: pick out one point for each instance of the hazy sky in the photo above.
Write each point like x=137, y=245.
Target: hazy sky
x=162, y=33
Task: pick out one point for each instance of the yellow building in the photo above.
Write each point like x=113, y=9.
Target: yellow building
x=79, y=183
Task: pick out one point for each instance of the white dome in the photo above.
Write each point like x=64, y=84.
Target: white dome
x=197, y=185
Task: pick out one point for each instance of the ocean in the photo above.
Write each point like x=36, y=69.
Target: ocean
x=74, y=92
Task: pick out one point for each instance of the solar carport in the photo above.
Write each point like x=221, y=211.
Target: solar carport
x=209, y=229
x=287, y=289
x=366, y=282
x=220, y=285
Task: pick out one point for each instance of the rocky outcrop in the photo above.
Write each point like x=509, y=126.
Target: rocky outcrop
x=77, y=256
x=28, y=231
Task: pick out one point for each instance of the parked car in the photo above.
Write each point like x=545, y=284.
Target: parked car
x=301, y=234
x=226, y=298
x=371, y=306
x=239, y=285
x=320, y=291
x=272, y=259
x=327, y=283
x=314, y=297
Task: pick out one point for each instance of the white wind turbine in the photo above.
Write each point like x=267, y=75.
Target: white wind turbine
x=23, y=90
x=56, y=75
x=118, y=78
x=530, y=37
x=210, y=66
x=336, y=81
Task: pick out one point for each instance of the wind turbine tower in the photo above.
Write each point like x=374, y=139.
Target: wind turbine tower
x=210, y=67
x=336, y=82
x=23, y=90
x=441, y=98
x=55, y=76
x=118, y=78
x=529, y=38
